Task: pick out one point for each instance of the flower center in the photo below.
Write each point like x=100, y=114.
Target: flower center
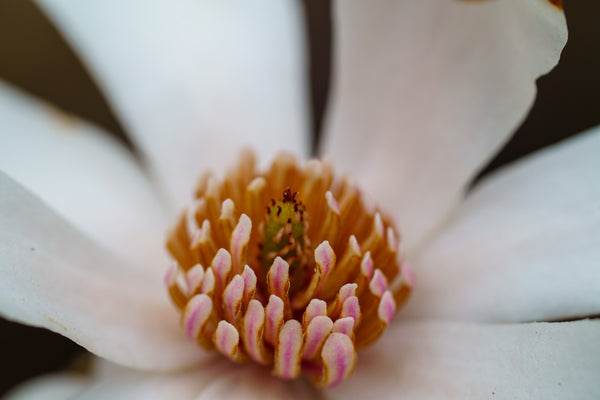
x=299, y=283
x=285, y=235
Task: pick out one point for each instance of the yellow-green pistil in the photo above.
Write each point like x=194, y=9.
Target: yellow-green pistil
x=285, y=236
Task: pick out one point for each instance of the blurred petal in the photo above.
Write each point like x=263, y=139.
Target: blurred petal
x=525, y=245
x=50, y=387
x=55, y=278
x=82, y=173
x=454, y=361
x=194, y=82
x=256, y=383
x=425, y=91
x=214, y=379
x=131, y=384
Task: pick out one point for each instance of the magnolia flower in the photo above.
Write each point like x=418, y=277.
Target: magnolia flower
x=424, y=93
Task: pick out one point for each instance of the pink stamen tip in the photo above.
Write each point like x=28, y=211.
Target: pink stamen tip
x=201, y=235
x=254, y=322
x=366, y=265
x=221, y=264
x=354, y=244
x=205, y=227
x=239, y=240
x=190, y=219
x=409, y=275
x=339, y=359
x=274, y=318
x=316, y=333
x=351, y=308
x=332, y=202
x=232, y=297
x=226, y=338
x=325, y=258
x=315, y=307
x=378, y=284
x=227, y=207
x=278, y=277
x=391, y=239
x=249, y=282
x=257, y=184
x=194, y=277
x=289, y=348
x=196, y=314
x=344, y=325
x=387, y=307
x=195, y=237
x=171, y=274
x=347, y=290
x=208, y=283
x=249, y=277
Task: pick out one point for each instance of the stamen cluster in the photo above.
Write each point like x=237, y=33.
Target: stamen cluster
x=299, y=285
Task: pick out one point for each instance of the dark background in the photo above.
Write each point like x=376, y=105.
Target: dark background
x=34, y=57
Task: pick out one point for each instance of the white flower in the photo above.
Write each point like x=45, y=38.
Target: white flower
x=424, y=92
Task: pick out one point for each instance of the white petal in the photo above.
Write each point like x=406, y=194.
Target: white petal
x=525, y=245
x=256, y=383
x=50, y=387
x=425, y=91
x=194, y=82
x=214, y=379
x=83, y=174
x=54, y=278
x=454, y=361
x=130, y=384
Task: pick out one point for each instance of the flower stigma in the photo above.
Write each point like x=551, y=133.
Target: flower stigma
x=288, y=268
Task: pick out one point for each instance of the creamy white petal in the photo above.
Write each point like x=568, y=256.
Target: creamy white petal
x=257, y=383
x=218, y=378
x=425, y=91
x=130, y=384
x=214, y=379
x=59, y=386
x=195, y=81
x=82, y=173
x=116, y=382
x=434, y=360
x=55, y=278
x=525, y=245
